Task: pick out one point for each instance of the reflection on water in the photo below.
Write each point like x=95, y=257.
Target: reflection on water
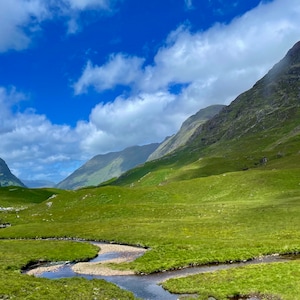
x=144, y=287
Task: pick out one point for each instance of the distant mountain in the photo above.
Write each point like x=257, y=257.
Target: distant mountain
x=106, y=166
x=186, y=131
x=38, y=183
x=6, y=177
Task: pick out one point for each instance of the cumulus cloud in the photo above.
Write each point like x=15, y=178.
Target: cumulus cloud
x=140, y=122
x=246, y=47
x=191, y=71
x=21, y=19
x=30, y=143
x=252, y=42
x=119, y=70
x=15, y=15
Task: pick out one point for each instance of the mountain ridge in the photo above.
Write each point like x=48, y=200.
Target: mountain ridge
x=273, y=93
x=104, y=167
x=188, y=127
x=7, y=178
x=261, y=124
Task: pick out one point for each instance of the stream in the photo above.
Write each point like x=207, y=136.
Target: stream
x=148, y=286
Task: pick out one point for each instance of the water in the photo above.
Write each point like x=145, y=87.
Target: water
x=144, y=287
x=147, y=286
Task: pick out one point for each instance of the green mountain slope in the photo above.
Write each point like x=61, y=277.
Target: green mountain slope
x=186, y=131
x=273, y=102
x=6, y=177
x=260, y=126
x=104, y=167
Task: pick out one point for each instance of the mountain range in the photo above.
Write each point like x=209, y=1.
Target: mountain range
x=107, y=166
x=260, y=126
x=186, y=131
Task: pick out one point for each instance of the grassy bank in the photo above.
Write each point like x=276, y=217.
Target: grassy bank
x=17, y=254
x=274, y=281
x=221, y=218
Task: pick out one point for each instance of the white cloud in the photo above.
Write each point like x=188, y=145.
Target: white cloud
x=252, y=42
x=127, y=122
x=87, y=4
x=14, y=16
x=207, y=67
x=73, y=8
x=119, y=70
x=247, y=47
x=189, y=4
x=20, y=19
x=211, y=67
x=30, y=143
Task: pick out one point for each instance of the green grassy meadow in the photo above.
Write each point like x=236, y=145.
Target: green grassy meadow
x=230, y=216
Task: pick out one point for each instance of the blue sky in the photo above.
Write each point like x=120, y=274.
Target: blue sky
x=84, y=77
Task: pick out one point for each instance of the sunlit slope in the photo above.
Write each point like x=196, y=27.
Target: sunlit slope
x=186, y=131
x=15, y=196
x=263, y=122
x=106, y=166
x=231, y=216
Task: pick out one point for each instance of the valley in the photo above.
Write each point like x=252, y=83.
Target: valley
x=229, y=217
x=230, y=193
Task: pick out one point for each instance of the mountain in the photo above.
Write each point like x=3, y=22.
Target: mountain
x=272, y=102
x=6, y=177
x=38, y=183
x=106, y=166
x=259, y=129
x=186, y=131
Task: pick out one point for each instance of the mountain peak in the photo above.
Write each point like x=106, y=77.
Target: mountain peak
x=291, y=60
x=6, y=177
x=294, y=53
x=272, y=102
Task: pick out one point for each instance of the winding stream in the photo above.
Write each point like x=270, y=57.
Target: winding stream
x=147, y=286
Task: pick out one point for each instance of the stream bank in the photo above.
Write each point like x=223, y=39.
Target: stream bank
x=142, y=286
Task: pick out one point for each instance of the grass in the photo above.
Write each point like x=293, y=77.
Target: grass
x=232, y=216
x=15, y=254
x=25, y=287
x=19, y=196
x=273, y=281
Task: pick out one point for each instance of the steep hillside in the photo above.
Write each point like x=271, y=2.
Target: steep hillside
x=186, y=131
x=104, y=167
x=260, y=128
x=6, y=177
x=273, y=102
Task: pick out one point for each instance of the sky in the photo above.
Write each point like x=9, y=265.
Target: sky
x=85, y=77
